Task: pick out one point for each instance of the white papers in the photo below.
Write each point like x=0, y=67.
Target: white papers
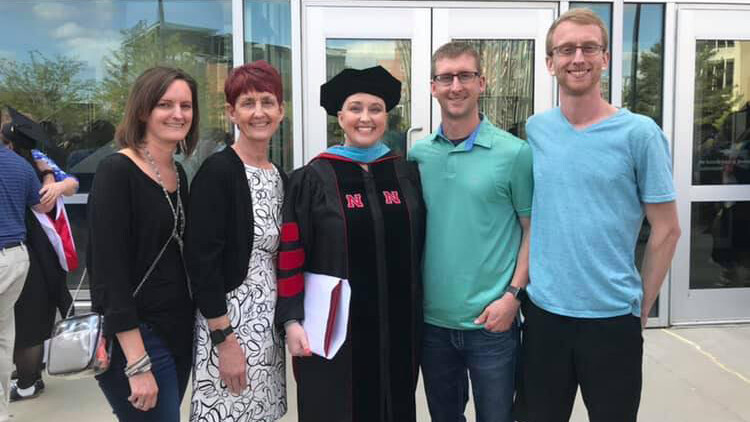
x=326, y=313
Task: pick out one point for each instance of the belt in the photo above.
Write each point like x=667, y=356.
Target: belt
x=11, y=245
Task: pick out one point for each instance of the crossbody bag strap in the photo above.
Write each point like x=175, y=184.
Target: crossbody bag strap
x=75, y=295
x=137, y=289
x=156, y=260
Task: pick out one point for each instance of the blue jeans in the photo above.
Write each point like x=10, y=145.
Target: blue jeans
x=488, y=358
x=171, y=378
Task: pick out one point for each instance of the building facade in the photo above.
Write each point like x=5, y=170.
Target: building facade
x=69, y=64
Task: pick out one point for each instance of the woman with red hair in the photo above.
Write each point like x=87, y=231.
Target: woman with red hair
x=231, y=240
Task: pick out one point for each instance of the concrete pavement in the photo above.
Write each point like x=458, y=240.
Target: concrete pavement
x=690, y=375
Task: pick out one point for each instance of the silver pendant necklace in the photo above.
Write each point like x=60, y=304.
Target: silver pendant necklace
x=178, y=212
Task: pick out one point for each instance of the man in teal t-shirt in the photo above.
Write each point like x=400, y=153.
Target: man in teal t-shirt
x=477, y=186
x=597, y=171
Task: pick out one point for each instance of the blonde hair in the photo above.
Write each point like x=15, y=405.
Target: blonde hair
x=578, y=16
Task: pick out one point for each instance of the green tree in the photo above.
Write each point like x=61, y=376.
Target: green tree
x=642, y=91
x=147, y=46
x=46, y=88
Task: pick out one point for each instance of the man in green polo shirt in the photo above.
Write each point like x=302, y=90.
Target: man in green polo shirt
x=477, y=183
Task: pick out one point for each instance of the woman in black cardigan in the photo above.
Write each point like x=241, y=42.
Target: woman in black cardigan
x=231, y=242
x=136, y=220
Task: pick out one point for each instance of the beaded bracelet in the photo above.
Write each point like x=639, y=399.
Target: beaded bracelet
x=138, y=367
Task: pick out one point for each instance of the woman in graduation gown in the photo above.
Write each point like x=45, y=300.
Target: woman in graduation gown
x=356, y=212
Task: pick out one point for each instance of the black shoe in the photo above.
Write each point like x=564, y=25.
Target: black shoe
x=36, y=389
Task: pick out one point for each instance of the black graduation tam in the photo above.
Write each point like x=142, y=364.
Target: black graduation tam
x=373, y=80
x=22, y=131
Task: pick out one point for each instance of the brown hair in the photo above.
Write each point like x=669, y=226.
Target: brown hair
x=455, y=49
x=144, y=95
x=578, y=16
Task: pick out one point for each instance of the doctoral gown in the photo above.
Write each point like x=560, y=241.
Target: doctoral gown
x=366, y=226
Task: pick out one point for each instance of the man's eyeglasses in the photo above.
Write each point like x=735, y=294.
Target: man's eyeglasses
x=447, y=78
x=568, y=50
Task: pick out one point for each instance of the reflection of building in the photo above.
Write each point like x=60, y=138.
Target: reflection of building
x=205, y=44
x=394, y=67
x=335, y=61
x=203, y=52
x=730, y=67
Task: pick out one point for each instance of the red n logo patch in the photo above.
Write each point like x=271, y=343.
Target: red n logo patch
x=354, y=201
x=391, y=197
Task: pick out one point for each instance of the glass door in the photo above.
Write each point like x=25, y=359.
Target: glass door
x=510, y=39
x=359, y=37
x=711, y=270
x=509, y=36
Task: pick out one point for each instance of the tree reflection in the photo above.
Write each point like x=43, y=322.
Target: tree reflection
x=642, y=89
x=189, y=48
x=45, y=88
x=508, y=66
x=53, y=90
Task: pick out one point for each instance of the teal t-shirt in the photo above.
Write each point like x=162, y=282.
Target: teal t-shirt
x=589, y=190
x=474, y=198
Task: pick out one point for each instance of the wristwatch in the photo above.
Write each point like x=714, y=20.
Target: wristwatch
x=218, y=336
x=518, y=292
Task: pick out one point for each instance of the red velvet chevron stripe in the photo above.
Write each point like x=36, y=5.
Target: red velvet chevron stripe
x=289, y=232
x=291, y=286
x=291, y=260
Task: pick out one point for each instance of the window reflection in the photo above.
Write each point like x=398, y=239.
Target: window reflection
x=70, y=65
x=720, y=245
x=643, y=76
x=395, y=57
x=268, y=36
x=508, y=67
x=643, y=59
x=604, y=11
x=721, y=127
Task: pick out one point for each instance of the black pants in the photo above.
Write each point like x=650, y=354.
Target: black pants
x=558, y=354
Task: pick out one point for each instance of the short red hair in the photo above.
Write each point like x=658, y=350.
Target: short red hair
x=255, y=76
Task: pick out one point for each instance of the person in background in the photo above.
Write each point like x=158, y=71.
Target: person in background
x=477, y=184
x=597, y=171
x=355, y=212
x=45, y=290
x=136, y=214
x=231, y=241
x=19, y=190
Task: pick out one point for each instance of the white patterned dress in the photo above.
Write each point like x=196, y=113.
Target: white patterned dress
x=251, y=308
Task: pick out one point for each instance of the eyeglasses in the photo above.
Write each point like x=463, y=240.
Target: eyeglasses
x=463, y=77
x=568, y=50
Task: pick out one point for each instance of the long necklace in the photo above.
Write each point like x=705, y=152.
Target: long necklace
x=178, y=212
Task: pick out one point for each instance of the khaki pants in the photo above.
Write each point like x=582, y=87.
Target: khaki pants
x=14, y=266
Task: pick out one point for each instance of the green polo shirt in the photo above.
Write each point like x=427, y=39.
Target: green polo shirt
x=474, y=198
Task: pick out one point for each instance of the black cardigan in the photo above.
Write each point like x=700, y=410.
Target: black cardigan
x=129, y=221
x=219, y=232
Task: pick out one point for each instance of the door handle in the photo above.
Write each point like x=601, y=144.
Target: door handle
x=408, y=135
